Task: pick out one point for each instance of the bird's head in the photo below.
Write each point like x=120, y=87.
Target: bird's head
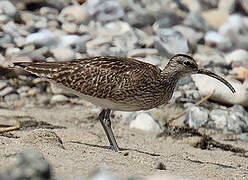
x=182, y=65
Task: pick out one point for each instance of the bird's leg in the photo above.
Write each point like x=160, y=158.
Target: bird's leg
x=106, y=124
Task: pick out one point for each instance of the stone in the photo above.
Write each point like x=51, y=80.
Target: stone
x=222, y=94
x=69, y=27
x=12, y=51
x=145, y=122
x=3, y=85
x=30, y=165
x=112, y=29
x=6, y=7
x=243, y=137
x=238, y=57
x=41, y=24
x=142, y=52
x=11, y=97
x=108, y=10
x=63, y=54
x=6, y=91
x=11, y=29
x=197, y=116
x=215, y=17
x=240, y=73
x=219, y=118
x=169, y=42
x=236, y=29
x=20, y=41
x=72, y=40
x=139, y=20
x=78, y=14
x=43, y=38
x=58, y=98
x=213, y=38
x=33, y=91
x=196, y=21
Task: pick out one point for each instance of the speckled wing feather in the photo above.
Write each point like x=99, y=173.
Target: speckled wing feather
x=107, y=77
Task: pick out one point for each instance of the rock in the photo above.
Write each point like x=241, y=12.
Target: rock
x=215, y=17
x=111, y=29
x=196, y=21
x=11, y=97
x=59, y=98
x=142, y=52
x=12, y=51
x=62, y=54
x=243, y=137
x=41, y=24
x=222, y=93
x=41, y=137
x=77, y=14
x=238, y=57
x=139, y=20
x=192, y=35
x=108, y=10
x=46, y=11
x=236, y=28
x=6, y=7
x=215, y=39
x=102, y=174
x=229, y=121
x=3, y=85
x=33, y=91
x=169, y=42
x=240, y=73
x=145, y=122
x=219, y=119
x=71, y=40
x=11, y=29
x=20, y=41
x=144, y=39
x=69, y=27
x=4, y=19
x=30, y=165
x=43, y=38
x=6, y=91
x=197, y=116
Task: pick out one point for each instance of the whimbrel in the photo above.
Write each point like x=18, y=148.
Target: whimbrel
x=118, y=83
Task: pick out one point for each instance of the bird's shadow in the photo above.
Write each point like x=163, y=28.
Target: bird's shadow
x=121, y=149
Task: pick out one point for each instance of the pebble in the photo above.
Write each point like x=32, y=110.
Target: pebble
x=215, y=39
x=79, y=14
x=69, y=27
x=142, y=52
x=30, y=165
x=197, y=116
x=11, y=97
x=6, y=91
x=105, y=10
x=219, y=118
x=12, y=51
x=62, y=54
x=58, y=98
x=43, y=38
x=222, y=94
x=243, y=137
x=6, y=7
x=238, y=57
x=145, y=122
x=3, y=85
x=33, y=91
x=170, y=42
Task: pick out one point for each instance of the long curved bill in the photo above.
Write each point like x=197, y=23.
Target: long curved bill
x=209, y=73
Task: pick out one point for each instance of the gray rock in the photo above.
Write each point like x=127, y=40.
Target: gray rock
x=170, y=41
x=238, y=57
x=6, y=7
x=3, y=85
x=139, y=20
x=105, y=10
x=4, y=19
x=20, y=41
x=197, y=116
x=193, y=94
x=219, y=119
x=30, y=165
x=217, y=40
x=196, y=21
x=63, y=54
x=43, y=38
x=58, y=99
x=243, y=137
x=11, y=97
x=6, y=91
x=236, y=29
x=145, y=122
x=11, y=29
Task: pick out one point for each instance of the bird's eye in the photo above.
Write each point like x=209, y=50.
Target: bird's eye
x=187, y=63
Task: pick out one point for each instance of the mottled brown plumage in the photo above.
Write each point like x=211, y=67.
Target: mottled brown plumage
x=118, y=83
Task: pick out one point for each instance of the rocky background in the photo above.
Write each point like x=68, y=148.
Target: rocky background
x=214, y=32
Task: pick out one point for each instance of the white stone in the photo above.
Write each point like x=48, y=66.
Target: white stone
x=62, y=54
x=79, y=14
x=145, y=122
x=43, y=38
x=3, y=85
x=222, y=93
x=221, y=42
x=12, y=51
x=239, y=56
x=6, y=91
x=69, y=27
x=58, y=98
x=6, y=7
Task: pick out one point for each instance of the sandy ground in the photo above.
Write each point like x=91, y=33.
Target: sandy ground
x=83, y=147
